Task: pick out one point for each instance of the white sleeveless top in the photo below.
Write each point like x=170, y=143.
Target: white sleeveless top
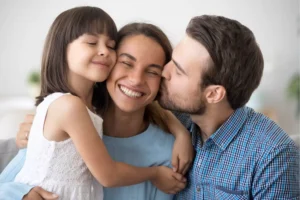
x=57, y=166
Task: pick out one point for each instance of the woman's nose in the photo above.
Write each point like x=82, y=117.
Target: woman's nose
x=136, y=77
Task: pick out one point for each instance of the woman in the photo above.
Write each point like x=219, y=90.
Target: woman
x=131, y=117
x=133, y=84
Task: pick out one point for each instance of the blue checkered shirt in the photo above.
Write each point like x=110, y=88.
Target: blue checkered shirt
x=248, y=157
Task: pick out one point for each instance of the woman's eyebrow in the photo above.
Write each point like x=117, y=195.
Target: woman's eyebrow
x=128, y=56
x=156, y=66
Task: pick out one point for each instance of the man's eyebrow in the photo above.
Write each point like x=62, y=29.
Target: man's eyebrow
x=178, y=66
x=128, y=56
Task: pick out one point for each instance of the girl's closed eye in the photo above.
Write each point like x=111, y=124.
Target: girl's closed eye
x=92, y=43
x=112, y=47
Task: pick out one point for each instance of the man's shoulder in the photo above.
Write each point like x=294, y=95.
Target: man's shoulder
x=265, y=131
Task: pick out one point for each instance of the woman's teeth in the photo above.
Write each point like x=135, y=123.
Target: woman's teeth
x=130, y=93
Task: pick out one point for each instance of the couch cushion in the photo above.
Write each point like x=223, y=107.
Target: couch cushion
x=8, y=150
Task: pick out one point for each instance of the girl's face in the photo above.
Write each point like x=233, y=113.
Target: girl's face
x=91, y=57
x=135, y=79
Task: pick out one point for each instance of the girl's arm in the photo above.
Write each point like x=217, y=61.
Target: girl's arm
x=183, y=151
x=71, y=116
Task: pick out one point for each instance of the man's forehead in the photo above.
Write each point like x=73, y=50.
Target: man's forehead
x=191, y=53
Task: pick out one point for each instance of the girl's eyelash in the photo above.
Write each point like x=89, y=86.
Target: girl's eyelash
x=113, y=48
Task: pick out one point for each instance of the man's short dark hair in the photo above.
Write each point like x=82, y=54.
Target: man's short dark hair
x=237, y=61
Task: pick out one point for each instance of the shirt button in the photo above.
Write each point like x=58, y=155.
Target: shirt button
x=198, y=189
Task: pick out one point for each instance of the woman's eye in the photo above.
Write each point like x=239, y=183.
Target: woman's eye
x=126, y=63
x=154, y=73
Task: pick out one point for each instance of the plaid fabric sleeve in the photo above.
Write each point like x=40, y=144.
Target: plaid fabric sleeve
x=277, y=175
x=184, y=119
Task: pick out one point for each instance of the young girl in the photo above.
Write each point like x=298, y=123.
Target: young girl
x=64, y=148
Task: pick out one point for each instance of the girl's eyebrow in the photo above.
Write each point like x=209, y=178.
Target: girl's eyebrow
x=97, y=36
x=91, y=34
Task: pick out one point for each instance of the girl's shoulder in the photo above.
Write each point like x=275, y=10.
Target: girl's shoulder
x=62, y=105
x=67, y=104
x=65, y=109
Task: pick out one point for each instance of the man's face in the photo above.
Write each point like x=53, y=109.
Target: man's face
x=182, y=77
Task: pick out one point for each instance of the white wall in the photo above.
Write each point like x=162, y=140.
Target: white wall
x=24, y=25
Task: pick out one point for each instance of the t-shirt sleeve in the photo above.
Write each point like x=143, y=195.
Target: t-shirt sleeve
x=10, y=190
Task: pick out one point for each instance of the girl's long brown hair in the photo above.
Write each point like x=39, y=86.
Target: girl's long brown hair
x=67, y=27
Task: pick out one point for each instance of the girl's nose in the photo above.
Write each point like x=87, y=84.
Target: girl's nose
x=103, y=51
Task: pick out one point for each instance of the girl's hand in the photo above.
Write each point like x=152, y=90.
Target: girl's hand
x=23, y=132
x=168, y=181
x=183, y=153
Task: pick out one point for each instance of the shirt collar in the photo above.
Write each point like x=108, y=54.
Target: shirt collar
x=196, y=140
x=226, y=133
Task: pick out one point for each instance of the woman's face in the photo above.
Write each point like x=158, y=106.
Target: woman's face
x=135, y=79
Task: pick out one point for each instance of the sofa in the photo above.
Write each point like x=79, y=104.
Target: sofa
x=9, y=125
x=8, y=150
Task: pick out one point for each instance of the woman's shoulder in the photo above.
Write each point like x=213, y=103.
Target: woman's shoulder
x=159, y=134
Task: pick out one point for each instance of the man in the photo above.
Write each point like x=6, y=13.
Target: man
x=240, y=154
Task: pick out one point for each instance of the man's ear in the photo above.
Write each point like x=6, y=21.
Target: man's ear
x=214, y=93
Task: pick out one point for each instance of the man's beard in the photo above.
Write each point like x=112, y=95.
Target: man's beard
x=165, y=100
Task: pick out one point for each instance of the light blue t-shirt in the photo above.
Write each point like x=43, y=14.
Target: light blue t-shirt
x=150, y=148
x=153, y=147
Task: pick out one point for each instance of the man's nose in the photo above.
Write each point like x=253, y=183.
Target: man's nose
x=166, y=71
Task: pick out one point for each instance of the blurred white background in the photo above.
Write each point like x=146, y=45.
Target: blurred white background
x=275, y=23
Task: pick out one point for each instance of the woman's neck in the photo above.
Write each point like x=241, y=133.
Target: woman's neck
x=118, y=123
